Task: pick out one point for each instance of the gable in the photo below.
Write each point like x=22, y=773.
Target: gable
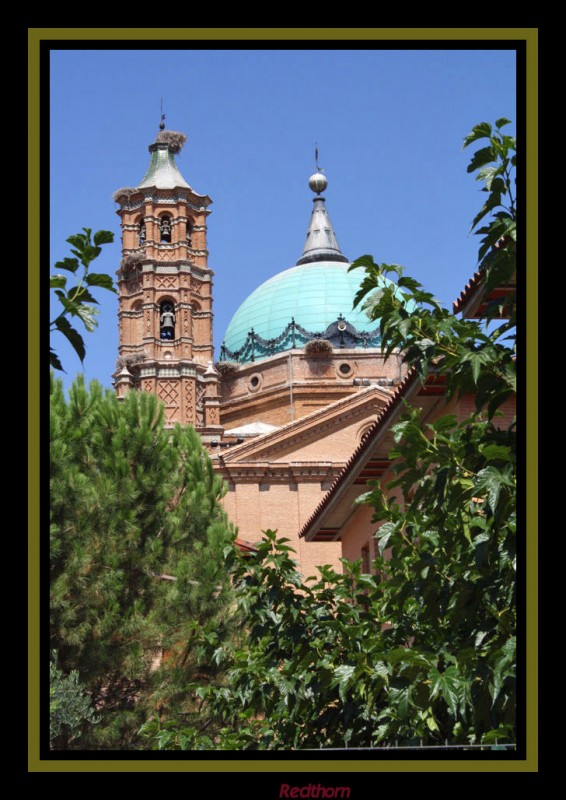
x=328, y=434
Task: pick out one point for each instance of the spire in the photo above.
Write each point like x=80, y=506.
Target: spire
x=321, y=243
x=163, y=172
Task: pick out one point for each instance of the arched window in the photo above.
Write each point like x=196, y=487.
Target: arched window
x=141, y=232
x=165, y=228
x=167, y=320
x=189, y=233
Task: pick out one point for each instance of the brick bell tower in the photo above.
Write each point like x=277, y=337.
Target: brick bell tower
x=165, y=292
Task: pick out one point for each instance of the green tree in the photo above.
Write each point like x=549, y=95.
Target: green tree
x=424, y=648
x=70, y=709
x=137, y=544
x=77, y=300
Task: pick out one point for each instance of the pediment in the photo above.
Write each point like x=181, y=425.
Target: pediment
x=330, y=433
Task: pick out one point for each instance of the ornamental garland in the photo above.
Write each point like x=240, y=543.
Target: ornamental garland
x=340, y=334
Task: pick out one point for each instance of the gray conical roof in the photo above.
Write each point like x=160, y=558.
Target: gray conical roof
x=321, y=243
x=163, y=172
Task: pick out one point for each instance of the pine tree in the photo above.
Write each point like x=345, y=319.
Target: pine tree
x=140, y=599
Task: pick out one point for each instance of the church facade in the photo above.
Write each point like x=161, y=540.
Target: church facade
x=300, y=377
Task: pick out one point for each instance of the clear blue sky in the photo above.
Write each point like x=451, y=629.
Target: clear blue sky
x=389, y=126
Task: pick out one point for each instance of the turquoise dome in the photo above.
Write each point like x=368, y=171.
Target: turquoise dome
x=314, y=295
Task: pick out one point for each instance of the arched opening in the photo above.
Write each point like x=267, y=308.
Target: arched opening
x=165, y=228
x=189, y=233
x=167, y=320
x=141, y=232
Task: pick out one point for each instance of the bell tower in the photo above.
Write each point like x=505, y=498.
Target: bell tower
x=165, y=292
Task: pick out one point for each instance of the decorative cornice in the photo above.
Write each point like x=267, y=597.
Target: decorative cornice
x=131, y=314
x=159, y=371
x=271, y=473
x=181, y=267
x=158, y=200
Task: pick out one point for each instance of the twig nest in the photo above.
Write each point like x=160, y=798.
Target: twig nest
x=227, y=367
x=318, y=347
x=175, y=140
x=125, y=191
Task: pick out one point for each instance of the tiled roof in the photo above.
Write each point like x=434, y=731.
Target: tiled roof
x=469, y=292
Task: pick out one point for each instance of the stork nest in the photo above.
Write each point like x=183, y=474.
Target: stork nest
x=131, y=261
x=125, y=191
x=175, y=140
x=318, y=347
x=130, y=361
x=227, y=367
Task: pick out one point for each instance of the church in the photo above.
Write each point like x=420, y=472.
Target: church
x=295, y=412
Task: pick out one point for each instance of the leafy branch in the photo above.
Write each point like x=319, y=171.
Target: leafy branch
x=77, y=300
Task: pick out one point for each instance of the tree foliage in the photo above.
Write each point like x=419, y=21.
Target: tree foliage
x=70, y=708
x=139, y=595
x=422, y=649
x=77, y=300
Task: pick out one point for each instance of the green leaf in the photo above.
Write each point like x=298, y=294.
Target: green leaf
x=384, y=534
x=505, y=666
x=64, y=326
x=488, y=174
x=481, y=131
x=78, y=240
x=499, y=123
x=363, y=261
x=69, y=264
x=342, y=676
x=103, y=237
x=492, y=202
x=492, y=480
x=483, y=156
x=99, y=279
x=88, y=315
x=54, y=360
x=57, y=281
x=446, y=684
x=496, y=452
x=445, y=423
x=511, y=375
x=431, y=724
